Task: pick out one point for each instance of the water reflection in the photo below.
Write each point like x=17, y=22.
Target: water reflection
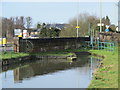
x=83, y=67
x=50, y=66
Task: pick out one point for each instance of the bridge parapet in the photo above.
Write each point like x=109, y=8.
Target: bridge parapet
x=51, y=44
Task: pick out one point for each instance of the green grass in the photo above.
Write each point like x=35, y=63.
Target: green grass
x=68, y=52
x=107, y=75
x=9, y=55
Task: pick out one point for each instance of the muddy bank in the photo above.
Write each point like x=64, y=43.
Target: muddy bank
x=82, y=53
x=17, y=60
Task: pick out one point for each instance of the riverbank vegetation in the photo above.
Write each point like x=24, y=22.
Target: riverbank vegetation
x=9, y=55
x=67, y=52
x=107, y=75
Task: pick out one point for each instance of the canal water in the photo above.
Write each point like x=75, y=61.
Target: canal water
x=51, y=73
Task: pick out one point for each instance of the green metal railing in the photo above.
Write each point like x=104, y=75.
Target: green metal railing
x=109, y=46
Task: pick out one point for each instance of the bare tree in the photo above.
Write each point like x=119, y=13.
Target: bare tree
x=17, y=25
x=9, y=24
x=84, y=20
x=28, y=22
x=22, y=22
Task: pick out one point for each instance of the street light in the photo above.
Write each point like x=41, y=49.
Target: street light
x=77, y=27
x=100, y=15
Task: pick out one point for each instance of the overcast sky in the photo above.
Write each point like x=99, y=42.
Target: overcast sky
x=58, y=12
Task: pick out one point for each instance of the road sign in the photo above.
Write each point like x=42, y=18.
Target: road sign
x=107, y=30
x=17, y=31
x=102, y=24
x=77, y=27
x=25, y=33
x=107, y=26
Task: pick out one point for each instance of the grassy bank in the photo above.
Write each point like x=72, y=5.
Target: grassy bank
x=107, y=75
x=68, y=52
x=9, y=55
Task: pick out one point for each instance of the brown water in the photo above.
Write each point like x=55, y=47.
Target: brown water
x=51, y=74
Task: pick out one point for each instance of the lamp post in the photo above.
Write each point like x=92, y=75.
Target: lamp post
x=100, y=15
x=77, y=27
x=118, y=15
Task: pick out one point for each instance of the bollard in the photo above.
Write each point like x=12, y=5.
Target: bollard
x=4, y=41
x=16, y=44
x=1, y=41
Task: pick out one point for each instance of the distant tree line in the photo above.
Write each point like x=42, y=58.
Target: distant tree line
x=86, y=23
x=9, y=24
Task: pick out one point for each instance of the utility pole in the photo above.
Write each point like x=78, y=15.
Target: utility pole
x=77, y=18
x=118, y=15
x=100, y=15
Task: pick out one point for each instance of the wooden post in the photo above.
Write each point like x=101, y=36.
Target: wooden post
x=16, y=44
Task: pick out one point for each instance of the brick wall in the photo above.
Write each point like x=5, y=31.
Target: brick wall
x=109, y=36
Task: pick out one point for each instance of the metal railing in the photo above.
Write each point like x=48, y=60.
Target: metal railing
x=108, y=46
x=7, y=48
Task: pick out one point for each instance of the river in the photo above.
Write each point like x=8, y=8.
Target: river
x=51, y=73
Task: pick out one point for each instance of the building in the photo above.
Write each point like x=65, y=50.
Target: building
x=57, y=26
x=35, y=33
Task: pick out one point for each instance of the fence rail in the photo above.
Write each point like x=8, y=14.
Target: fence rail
x=109, y=46
x=7, y=48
